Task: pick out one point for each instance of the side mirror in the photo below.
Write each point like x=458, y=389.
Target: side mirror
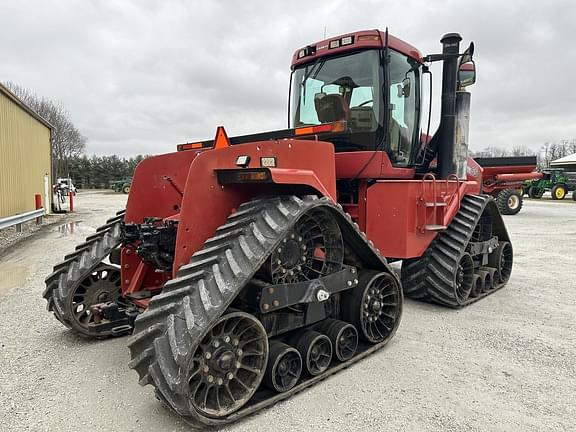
x=466, y=75
x=467, y=55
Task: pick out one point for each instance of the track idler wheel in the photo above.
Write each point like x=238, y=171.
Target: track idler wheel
x=315, y=349
x=284, y=367
x=502, y=259
x=464, y=277
x=373, y=306
x=344, y=337
x=228, y=365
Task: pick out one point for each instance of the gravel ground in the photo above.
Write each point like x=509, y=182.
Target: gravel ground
x=507, y=363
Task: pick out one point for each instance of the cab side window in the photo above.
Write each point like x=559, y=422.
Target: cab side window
x=404, y=108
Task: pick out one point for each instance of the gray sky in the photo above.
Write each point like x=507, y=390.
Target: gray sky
x=142, y=76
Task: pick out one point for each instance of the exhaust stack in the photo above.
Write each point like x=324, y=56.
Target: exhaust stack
x=446, y=156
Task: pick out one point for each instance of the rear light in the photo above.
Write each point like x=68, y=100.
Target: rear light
x=249, y=175
x=339, y=126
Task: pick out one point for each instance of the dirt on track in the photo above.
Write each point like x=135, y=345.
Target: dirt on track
x=507, y=363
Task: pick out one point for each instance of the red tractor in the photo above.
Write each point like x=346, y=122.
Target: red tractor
x=504, y=177
x=250, y=268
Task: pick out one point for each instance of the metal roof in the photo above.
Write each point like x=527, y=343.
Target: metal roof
x=25, y=107
x=566, y=160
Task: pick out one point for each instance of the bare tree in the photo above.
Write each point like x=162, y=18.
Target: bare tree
x=67, y=141
x=555, y=150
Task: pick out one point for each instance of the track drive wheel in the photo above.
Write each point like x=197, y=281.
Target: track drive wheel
x=374, y=306
x=558, y=192
x=228, y=365
x=502, y=260
x=509, y=201
x=284, y=367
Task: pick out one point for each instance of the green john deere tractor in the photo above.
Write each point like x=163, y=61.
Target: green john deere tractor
x=555, y=180
x=122, y=185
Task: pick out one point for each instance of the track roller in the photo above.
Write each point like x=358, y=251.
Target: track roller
x=486, y=278
x=494, y=278
x=373, y=306
x=344, y=337
x=477, y=285
x=502, y=259
x=315, y=349
x=284, y=367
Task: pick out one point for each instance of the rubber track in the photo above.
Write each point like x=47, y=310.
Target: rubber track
x=168, y=332
x=429, y=278
x=79, y=264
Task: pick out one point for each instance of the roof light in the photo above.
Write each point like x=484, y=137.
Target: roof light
x=347, y=40
x=301, y=53
x=334, y=44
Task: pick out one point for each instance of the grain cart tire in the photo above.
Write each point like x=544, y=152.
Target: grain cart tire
x=558, y=192
x=509, y=202
x=574, y=195
x=126, y=189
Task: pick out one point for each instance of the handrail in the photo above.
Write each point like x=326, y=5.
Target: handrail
x=19, y=219
x=453, y=176
x=428, y=176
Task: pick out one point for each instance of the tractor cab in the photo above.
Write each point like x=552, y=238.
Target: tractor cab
x=353, y=78
x=351, y=83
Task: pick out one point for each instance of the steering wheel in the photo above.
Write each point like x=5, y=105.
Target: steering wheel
x=366, y=102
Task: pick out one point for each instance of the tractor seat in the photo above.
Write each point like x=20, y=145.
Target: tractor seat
x=331, y=107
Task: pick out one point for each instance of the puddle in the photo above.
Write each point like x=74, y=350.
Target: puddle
x=76, y=227
x=11, y=277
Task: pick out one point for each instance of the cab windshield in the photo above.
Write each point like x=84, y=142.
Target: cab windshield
x=338, y=88
x=351, y=88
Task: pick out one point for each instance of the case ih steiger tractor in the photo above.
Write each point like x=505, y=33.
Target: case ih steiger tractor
x=250, y=268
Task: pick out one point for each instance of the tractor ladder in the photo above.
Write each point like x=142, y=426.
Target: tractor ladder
x=436, y=196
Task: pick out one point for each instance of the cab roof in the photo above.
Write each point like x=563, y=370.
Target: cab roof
x=363, y=39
